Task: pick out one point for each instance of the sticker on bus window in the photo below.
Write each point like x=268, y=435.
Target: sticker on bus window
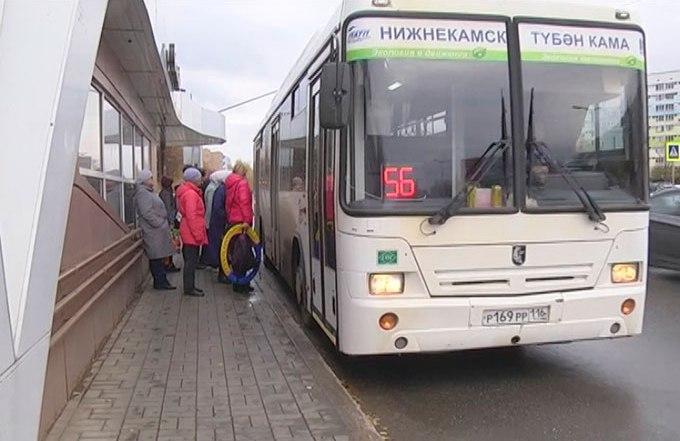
x=435, y=39
x=388, y=257
x=542, y=43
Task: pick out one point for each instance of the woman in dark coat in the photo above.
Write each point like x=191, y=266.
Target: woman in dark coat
x=167, y=195
x=168, y=198
x=216, y=230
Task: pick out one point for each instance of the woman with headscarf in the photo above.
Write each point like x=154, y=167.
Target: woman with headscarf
x=239, y=204
x=192, y=227
x=216, y=178
x=152, y=220
x=217, y=224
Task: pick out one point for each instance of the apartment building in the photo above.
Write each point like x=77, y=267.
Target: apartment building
x=664, y=113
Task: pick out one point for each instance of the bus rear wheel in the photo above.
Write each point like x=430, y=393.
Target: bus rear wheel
x=300, y=288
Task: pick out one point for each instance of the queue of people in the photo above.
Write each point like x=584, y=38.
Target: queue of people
x=203, y=210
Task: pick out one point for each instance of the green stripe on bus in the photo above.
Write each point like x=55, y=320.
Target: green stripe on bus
x=478, y=54
x=631, y=62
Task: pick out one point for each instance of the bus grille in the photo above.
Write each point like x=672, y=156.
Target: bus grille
x=489, y=270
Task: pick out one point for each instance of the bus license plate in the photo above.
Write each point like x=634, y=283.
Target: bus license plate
x=516, y=316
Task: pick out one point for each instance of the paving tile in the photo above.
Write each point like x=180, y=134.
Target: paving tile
x=217, y=368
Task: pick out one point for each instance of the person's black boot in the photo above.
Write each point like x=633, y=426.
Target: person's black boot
x=245, y=289
x=194, y=294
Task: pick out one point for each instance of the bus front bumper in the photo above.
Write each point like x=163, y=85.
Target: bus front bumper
x=451, y=324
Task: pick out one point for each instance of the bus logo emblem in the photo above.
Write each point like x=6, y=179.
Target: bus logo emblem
x=355, y=35
x=519, y=254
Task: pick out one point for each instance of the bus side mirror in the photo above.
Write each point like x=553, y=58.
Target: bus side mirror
x=334, y=96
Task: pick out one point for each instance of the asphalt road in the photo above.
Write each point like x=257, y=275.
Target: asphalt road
x=627, y=389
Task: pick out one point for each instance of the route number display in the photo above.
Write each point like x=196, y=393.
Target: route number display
x=398, y=183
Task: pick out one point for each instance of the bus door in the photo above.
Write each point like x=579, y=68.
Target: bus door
x=274, y=194
x=322, y=217
x=328, y=228
x=257, y=172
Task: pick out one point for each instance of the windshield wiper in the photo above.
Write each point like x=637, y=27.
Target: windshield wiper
x=483, y=165
x=544, y=155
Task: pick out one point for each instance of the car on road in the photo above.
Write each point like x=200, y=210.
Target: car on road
x=655, y=187
x=664, y=229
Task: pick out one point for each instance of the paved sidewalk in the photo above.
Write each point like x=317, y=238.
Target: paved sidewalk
x=223, y=367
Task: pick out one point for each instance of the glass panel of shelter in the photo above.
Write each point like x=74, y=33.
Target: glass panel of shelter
x=127, y=150
x=112, y=151
x=139, y=164
x=111, y=130
x=89, y=151
x=146, y=153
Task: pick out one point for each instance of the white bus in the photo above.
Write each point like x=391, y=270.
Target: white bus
x=445, y=175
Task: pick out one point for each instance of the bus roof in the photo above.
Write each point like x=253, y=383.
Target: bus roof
x=549, y=9
x=510, y=8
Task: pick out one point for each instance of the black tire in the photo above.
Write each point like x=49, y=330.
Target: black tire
x=300, y=290
x=267, y=263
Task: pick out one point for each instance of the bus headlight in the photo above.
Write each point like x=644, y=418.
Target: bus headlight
x=625, y=272
x=386, y=283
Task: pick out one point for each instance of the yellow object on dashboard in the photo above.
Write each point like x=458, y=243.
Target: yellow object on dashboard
x=496, y=196
x=485, y=197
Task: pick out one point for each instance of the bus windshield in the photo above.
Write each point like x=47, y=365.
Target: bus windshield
x=588, y=110
x=424, y=117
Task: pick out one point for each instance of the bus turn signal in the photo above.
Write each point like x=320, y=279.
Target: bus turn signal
x=388, y=321
x=628, y=306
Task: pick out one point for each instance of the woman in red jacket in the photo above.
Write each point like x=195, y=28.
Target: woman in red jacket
x=191, y=227
x=239, y=204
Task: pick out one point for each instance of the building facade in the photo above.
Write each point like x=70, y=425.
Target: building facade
x=664, y=114
x=89, y=100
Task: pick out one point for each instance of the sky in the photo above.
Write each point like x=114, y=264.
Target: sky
x=232, y=50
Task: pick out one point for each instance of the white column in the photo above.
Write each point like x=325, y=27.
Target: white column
x=47, y=53
x=6, y=346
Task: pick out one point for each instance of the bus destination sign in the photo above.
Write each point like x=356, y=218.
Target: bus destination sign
x=383, y=38
x=543, y=43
